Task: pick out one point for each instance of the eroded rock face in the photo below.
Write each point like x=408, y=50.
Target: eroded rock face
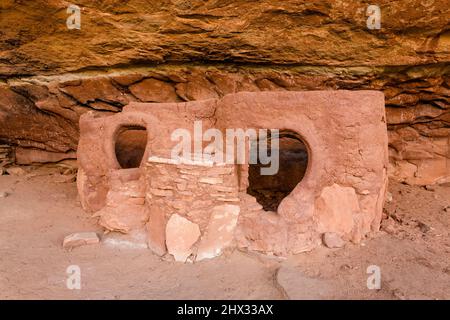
x=342, y=191
x=322, y=32
x=53, y=74
x=40, y=115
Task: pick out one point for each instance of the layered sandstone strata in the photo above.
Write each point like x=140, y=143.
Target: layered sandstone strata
x=35, y=39
x=40, y=115
x=187, y=50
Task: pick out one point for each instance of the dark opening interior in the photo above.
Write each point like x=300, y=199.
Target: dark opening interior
x=130, y=146
x=269, y=190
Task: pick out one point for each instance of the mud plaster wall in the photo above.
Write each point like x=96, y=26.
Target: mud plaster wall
x=342, y=191
x=172, y=51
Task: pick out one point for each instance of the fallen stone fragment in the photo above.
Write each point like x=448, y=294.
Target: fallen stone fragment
x=181, y=234
x=80, y=239
x=16, y=171
x=3, y=194
x=332, y=240
x=389, y=226
x=389, y=197
x=423, y=227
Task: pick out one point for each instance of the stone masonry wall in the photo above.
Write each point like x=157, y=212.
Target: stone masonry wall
x=198, y=199
x=191, y=190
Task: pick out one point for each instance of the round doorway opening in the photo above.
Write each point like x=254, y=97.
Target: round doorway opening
x=130, y=145
x=270, y=190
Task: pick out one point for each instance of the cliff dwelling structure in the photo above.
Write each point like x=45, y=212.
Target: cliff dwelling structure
x=331, y=175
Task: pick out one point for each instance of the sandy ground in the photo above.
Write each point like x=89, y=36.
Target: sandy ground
x=412, y=251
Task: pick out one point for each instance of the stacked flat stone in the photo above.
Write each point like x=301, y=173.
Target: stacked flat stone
x=6, y=154
x=199, y=199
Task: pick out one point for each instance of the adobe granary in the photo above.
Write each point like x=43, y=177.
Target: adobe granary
x=331, y=177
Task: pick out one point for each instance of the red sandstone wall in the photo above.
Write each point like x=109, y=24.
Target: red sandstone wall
x=188, y=50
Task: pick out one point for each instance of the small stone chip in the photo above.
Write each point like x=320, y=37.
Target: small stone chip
x=333, y=240
x=80, y=239
x=423, y=227
x=389, y=197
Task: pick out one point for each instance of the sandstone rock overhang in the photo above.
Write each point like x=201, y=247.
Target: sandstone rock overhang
x=341, y=192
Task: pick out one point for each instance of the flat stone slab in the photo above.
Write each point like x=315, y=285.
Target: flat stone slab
x=181, y=234
x=298, y=286
x=80, y=239
x=220, y=231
